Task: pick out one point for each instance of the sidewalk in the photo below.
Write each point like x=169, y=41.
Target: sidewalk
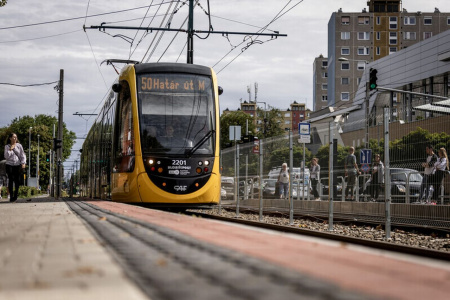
x=46, y=252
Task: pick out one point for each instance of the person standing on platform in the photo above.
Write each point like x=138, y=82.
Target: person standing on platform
x=377, y=177
x=15, y=165
x=441, y=166
x=351, y=170
x=427, y=174
x=315, y=177
x=283, y=181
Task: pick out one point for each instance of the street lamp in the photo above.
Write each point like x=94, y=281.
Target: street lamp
x=366, y=100
x=29, y=155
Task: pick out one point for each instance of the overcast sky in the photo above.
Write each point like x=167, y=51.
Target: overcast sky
x=282, y=68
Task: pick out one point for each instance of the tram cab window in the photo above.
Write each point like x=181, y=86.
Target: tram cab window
x=175, y=117
x=124, y=132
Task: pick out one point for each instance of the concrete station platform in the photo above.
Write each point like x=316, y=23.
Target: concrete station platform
x=47, y=252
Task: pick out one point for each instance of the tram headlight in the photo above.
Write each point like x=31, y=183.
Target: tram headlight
x=206, y=162
x=151, y=161
x=200, y=163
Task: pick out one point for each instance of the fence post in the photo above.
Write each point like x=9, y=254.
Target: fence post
x=387, y=175
x=236, y=181
x=330, y=189
x=260, y=181
x=291, y=168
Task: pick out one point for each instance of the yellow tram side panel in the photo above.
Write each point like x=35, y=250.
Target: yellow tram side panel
x=124, y=187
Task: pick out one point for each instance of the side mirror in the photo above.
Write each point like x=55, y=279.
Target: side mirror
x=116, y=87
x=220, y=90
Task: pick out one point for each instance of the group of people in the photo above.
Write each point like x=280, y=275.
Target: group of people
x=283, y=179
x=14, y=164
x=435, y=168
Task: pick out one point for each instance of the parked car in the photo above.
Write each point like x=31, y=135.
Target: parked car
x=223, y=193
x=399, y=177
x=228, y=185
x=270, y=189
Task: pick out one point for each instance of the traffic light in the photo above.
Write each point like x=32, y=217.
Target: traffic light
x=373, y=78
x=47, y=157
x=57, y=144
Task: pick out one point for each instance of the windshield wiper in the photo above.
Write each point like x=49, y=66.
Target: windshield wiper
x=199, y=143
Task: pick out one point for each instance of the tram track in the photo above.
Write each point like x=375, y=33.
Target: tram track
x=381, y=245
x=167, y=264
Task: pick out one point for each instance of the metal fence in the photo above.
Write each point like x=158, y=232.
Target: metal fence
x=256, y=165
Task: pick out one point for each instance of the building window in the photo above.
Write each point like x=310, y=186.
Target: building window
x=324, y=86
x=363, y=36
x=325, y=63
x=302, y=116
x=325, y=98
x=324, y=75
x=427, y=20
x=378, y=50
x=359, y=80
x=409, y=20
x=345, y=96
x=361, y=65
x=345, y=35
x=378, y=20
x=345, y=66
x=392, y=50
x=378, y=35
x=345, y=51
x=363, y=50
x=363, y=20
x=409, y=35
x=427, y=35
x=392, y=22
x=345, y=20
x=392, y=38
x=344, y=80
x=448, y=20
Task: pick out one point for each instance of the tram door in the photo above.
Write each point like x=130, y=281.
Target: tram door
x=124, y=147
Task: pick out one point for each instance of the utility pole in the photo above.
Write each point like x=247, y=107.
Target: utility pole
x=190, y=32
x=60, y=135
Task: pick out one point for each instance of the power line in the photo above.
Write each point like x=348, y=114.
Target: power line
x=78, y=18
x=28, y=85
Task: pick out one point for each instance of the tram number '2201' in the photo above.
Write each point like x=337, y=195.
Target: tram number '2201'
x=178, y=162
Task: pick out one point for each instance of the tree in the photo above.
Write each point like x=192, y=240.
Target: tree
x=235, y=118
x=270, y=121
x=42, y=125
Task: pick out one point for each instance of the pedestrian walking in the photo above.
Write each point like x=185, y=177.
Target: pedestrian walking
x=441, y=166
x=315, y=177
x=351, y=171
x=427, y=179
x=15, y=164
x=283, y=181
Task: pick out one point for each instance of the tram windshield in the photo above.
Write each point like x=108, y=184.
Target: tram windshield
x=176, y=114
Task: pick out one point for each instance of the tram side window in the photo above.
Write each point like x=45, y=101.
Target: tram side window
x=124, y=132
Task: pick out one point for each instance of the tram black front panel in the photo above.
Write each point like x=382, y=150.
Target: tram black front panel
x=179, y=176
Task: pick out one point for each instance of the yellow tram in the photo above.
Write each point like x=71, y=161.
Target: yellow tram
x=156, y=139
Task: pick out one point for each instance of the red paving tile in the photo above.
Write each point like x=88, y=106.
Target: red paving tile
x=370, y=272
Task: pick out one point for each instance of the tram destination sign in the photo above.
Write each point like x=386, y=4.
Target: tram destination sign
x=173, y=83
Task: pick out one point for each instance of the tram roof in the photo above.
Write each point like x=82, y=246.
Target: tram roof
x=172, y=68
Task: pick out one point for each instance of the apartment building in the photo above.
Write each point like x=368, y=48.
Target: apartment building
x=356, y=39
